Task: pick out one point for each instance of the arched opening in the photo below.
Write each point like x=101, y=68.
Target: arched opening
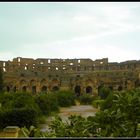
x=78, y=90
x=15, y=89
x=44, y=89
x=55, y=88
x=24, y=88
x=8, y=89
x=89, y=89
x=120, y=88
x=33, y=89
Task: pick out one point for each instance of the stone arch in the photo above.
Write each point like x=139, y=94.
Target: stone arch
x=55, y=84
x=55, y=81
x=55, y=88
x=9, y=86
x=89, y=90
x=77, y=90
x=44, y=88
x=24, y=88
x=33, y=82
x=88, y=81
x=23, y=82
x=43, y=85
x=33, y=86
x=43, y=82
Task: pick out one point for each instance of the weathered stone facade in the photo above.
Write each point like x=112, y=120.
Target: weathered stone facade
x=80, y=75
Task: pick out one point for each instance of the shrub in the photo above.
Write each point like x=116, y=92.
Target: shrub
x=19, y=117
x=86, y=99
x=65, y=98
x=97, y=103
x=6, y=100
x=77, y=127
x=107, y=103
x=18, y=109
x=21, y=100
x=47, y=103
x=104, y=92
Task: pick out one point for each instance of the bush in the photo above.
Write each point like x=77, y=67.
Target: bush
x=47, y=103
x=86, y=99
x=18, y=117
x=18, y=109
x=104, y=92
x=65, y=98
x=107, y=103
x=77, y=127
x=6, y=100
x=97, y=103
x=21, y=100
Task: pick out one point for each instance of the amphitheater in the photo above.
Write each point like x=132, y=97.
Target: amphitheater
x=83, y=76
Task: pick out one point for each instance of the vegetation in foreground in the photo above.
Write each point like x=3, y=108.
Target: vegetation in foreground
x=24, y=109
x=119, y=117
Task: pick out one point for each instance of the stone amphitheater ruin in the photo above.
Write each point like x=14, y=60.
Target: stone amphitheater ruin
x=80, y=75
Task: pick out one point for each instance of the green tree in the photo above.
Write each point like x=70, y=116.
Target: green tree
x=65, y=98
x=47, y=103
x=86, y=99
x=104, y=92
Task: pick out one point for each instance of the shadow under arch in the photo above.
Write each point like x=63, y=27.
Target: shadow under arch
x=55, y=88
x=8, y=89
x=120, y=88
x=89, y=90
x=77, y=90
x=44, y=89
x=24, y=89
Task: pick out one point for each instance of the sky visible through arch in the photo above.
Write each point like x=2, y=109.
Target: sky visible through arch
x=92, y=30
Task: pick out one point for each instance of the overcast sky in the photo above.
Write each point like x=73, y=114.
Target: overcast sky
x=92, y=30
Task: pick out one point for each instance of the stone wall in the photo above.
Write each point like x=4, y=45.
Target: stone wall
x=10, y=132
x=80, y=75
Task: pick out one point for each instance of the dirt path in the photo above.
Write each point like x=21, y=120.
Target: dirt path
x=83, y=110
x=65, y=112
